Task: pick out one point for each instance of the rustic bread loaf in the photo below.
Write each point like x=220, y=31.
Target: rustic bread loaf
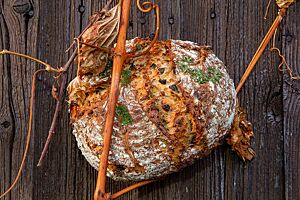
x=176, y=104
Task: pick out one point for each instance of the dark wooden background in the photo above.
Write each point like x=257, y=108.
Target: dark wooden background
x=234, y=29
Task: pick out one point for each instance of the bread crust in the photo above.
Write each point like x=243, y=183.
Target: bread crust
x=181, y=101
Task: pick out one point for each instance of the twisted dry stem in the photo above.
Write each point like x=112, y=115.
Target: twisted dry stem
x=283, y=62
x=267, y=10
x=48, y=68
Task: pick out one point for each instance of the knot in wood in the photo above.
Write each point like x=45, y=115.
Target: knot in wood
x=5, y=124
x=22, y=6
x=5, y=128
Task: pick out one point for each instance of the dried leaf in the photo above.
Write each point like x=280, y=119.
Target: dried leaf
x=76, y=91
x=106, y=34
x=101, y=33
x=285, y=3
x=240, y=136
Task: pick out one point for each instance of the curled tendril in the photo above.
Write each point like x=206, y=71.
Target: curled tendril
x=145, y=8
x=283, y=62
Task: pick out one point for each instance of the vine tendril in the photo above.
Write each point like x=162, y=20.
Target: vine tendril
x=28, y=132
x=145, y=8
x=282, y=63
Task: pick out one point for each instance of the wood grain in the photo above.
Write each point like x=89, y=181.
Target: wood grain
x=234, y=29
x=291, y=105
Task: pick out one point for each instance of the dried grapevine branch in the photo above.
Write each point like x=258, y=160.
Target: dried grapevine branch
x=61, y=73
x=242, y=131
x=47, y=66
x=283, y=6
x=58, y=106
x=29, y=127
x=118, y=61
x=261, y=48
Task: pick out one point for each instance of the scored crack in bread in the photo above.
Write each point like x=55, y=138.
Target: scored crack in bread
x=176, y=104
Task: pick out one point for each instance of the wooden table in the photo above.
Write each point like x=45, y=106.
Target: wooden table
x=234, y=29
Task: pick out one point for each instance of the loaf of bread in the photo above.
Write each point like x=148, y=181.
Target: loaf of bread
x=176, y=104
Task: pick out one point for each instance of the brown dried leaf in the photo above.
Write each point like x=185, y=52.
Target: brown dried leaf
x=101, y=33
x=76, y=91
x=106, y=33
x=240, y=136
x=285, y=3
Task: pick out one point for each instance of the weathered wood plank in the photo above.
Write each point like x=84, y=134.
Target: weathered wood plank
x=261, y=97
x=59, y=23
x=6, y=112
x=19, y=33
x=233, y=29
x=291, y=99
